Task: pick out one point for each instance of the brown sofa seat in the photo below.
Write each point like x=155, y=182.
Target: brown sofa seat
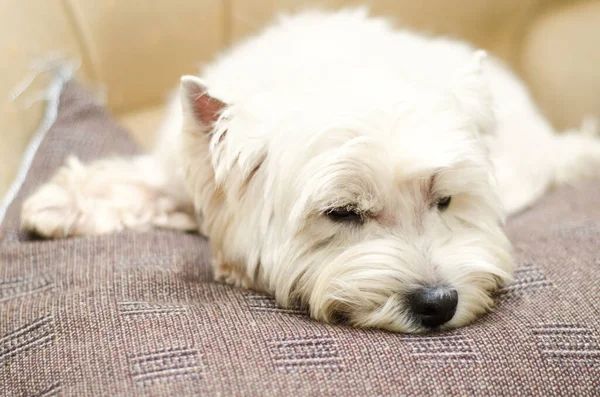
x=138, y=314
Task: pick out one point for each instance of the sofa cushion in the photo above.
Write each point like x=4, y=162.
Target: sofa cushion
x=138, y=313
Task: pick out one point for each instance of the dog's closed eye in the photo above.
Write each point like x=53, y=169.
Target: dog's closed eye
x=344, y=214
x=443, y=203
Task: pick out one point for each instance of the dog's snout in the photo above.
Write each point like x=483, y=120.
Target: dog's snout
x=433, y=305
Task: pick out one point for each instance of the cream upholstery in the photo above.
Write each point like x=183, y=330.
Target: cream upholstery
x=135, y=51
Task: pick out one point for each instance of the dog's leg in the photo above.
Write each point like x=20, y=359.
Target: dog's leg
x=529, y=167
x=577, y=154
x=107, y=196
x=529, y=156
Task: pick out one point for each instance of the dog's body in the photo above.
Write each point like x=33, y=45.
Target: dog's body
x=335, y=162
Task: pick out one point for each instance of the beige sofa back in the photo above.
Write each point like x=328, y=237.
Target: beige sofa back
x=135, y=51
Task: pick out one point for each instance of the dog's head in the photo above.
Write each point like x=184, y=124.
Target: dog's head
x=375, y=205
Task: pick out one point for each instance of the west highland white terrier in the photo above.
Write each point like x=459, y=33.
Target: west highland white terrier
x=336, y=163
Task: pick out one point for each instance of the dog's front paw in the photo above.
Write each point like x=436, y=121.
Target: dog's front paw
x=50, y=212
x=229, y=275
x=61, y=207
x=102, y=197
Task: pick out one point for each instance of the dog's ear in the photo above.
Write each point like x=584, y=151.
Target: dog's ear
x=203, y=108
x=471, y=88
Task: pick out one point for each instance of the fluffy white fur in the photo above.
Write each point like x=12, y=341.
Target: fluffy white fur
x=340, y=110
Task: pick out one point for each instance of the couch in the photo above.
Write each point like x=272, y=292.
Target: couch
x=133, y=53
x=138, y=313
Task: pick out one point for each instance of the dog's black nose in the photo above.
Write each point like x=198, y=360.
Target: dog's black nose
x=433, y=306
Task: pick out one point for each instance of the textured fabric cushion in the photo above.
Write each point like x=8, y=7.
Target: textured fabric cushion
x=138, y=314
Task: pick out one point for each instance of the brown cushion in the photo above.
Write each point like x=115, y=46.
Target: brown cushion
x=138, y=314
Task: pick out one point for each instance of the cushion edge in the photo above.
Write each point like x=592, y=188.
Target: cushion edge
x=64, y=73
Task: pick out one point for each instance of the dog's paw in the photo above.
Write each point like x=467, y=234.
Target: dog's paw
x=229, y=275
x=61, y=207
x=103, y=197
x=175, y=220
x=49, y=212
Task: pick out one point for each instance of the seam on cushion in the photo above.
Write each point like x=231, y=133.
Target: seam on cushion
x=83, y=39
x=64, y=74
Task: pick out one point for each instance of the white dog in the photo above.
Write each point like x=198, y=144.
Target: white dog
x=336, y=163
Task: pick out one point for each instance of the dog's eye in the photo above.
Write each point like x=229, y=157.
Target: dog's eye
x=444, y=203
x=343, y=214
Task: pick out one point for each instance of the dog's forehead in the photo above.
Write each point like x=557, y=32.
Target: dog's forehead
x=407, y=148
x=394, y=142
x=371, y=160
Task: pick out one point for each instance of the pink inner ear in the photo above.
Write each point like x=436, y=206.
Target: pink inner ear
x=206, y=109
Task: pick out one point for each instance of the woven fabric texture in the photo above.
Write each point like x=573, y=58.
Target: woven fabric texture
x=138, y=313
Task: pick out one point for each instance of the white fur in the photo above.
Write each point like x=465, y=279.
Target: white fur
x=333, y=110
